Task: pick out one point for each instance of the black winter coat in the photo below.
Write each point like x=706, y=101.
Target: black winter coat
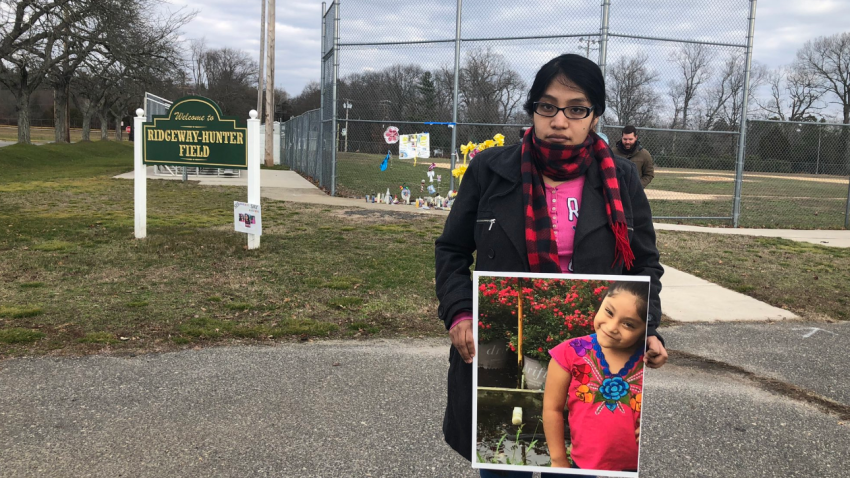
x=488, y=217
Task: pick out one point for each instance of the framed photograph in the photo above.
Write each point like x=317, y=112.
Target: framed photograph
x=558, y=374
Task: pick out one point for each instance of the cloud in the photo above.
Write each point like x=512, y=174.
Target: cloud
x=782, y=26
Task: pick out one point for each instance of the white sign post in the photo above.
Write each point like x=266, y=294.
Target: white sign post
x=253, y=171
x=140, y=177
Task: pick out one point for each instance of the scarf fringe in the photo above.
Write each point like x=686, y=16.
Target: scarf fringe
x=622, y=249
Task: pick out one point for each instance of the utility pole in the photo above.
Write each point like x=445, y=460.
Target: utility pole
x=587, y=42
x=269, y=117
x=262, y=58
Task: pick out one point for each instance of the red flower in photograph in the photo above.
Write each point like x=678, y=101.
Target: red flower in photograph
x=581, y=373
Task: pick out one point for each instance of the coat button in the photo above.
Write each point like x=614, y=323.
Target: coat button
x=491, y=253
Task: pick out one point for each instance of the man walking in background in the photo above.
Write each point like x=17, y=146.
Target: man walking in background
x=630, y=147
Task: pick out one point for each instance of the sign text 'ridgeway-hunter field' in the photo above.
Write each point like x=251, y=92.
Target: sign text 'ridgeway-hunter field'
x=194, y=133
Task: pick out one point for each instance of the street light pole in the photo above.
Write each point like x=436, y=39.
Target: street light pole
x=347, y=106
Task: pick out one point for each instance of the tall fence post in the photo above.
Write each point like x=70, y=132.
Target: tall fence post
x=603, y=46
x=320, y=153
x=335, y=79
x=742, y=136
x=453, y=154
x=847, y=208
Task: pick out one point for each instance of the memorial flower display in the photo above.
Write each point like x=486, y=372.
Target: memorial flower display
x=470, y=149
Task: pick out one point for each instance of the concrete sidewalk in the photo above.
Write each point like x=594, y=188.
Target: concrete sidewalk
x=821, y=237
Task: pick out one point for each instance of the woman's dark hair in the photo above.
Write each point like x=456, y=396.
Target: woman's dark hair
x=638, y=289
x=582, y=72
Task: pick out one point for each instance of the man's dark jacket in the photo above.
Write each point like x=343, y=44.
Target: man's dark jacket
x=488, y=216
x=641, y=158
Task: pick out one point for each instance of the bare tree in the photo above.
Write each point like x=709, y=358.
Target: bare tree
x=311, y=96
x=694, y=64
x=51, y=46
x=31, y=39
x=400, y=86
x=828, y=60
x=230, y=80
x=723, y=98
x=197, y=51
x=631, y=95
x=795, y=93
x=490, y=91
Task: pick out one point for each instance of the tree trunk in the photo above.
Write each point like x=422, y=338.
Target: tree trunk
x=60, y=104
x=23, y=110
x=118, y=128
x=104, y=127
x=86, y=125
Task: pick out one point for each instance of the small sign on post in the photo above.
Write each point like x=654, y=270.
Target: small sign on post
x=247, y=218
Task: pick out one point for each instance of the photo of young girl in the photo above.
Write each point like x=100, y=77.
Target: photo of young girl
x=558, y=379
x=599, y=377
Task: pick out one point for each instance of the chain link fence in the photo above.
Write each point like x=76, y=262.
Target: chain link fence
x=299, y=147
x=796, y=173
x=679, y=75
x=381, y=67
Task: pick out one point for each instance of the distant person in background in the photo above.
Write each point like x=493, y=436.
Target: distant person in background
x=630, y=147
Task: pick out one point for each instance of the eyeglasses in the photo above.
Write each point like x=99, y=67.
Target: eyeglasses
x=571, y=112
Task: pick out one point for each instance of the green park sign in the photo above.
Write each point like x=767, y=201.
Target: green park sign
x=194, y=133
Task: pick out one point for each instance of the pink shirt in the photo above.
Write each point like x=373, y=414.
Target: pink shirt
x=563, y=203
x=604, y=407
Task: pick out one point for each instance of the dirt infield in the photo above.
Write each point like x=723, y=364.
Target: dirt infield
x=661, y=195
x=715, y=179
x=730, y=176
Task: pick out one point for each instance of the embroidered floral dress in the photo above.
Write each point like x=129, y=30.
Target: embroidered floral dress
x=604, y=407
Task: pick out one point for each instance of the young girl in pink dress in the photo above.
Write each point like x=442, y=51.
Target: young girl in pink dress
x=600, y=379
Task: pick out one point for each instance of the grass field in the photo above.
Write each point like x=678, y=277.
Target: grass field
x=811, y=280
x=46, y=135
x=73, y=280
x=768, y=200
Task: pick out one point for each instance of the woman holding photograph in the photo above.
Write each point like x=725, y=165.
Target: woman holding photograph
x=559, y=201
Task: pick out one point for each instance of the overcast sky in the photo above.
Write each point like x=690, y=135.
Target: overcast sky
x=782, y=26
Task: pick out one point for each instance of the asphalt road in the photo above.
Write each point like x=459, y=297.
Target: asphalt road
x=810, y=355
x=355, y=409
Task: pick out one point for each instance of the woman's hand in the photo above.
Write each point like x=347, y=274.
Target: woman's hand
x=656, y=354
x=561, y=463
x=463, y=340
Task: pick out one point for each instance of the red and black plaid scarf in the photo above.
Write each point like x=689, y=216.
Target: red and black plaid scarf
x=563, y=163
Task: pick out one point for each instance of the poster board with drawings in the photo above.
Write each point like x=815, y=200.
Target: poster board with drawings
x=561, y=313
x=416, y=145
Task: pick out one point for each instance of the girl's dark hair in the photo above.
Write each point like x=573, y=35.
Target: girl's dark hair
x=582, y=72
x=638, y=289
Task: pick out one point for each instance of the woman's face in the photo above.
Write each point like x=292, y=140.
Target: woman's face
x=559, y=130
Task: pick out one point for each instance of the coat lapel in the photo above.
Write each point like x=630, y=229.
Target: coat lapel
x=506, y=200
